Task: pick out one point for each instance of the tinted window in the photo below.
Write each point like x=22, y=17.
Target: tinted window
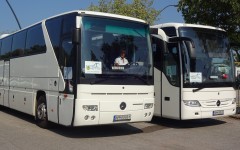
x=69, y=23
x=18, y=46
x=170, y=31
x=35, y=41
x=6, y=48
x=158, y=49
x=171, y=64
x=54, y=30
x=117, y=50
x=0, y=45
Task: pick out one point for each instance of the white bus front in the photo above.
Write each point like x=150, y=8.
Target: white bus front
x=196, y=74
x=108, y=92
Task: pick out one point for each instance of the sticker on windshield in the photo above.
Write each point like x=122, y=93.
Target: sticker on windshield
x=196, y=77
x=93, y=67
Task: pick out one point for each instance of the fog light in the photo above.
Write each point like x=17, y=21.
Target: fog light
x=149, y=114
x=145, y=115
x=93, y=117
x=148, y=105
x=192, y=103
x=86, y=117
x=90, y=107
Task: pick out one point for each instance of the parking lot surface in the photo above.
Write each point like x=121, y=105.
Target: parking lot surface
x=19, y=132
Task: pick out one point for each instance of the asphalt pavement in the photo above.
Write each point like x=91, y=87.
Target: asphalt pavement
x=19, y=132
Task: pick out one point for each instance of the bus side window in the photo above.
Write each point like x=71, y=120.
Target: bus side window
x=18, y=45
x=35, y=43
x=158, y=46
x=6, y=48
x=54, y=27
x=171, y=65
x=67, y=63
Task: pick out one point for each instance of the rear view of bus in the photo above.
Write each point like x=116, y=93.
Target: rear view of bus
x=193, y=72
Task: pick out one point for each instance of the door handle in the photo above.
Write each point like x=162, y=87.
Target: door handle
x=167, y=98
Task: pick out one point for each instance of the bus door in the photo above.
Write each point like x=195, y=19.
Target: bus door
x=171, y=77
x=158, y=47
x=6, y=75
x=66, y=98
x=166, y=78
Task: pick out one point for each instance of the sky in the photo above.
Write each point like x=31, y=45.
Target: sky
x=32, y=11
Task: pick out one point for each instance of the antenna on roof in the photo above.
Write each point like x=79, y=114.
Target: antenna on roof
x=14, y=14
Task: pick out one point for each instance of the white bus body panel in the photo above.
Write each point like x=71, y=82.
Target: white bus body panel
x=6, y=83
x=167, y=97
x=158, y=93
x=1, y=82
x=208, y=98
x=31, y=74
x=108, y=99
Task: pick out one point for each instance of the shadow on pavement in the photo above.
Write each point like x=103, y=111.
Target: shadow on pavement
x=171, y=123
x=80, y=132
x=96, y=131
x=18, y=114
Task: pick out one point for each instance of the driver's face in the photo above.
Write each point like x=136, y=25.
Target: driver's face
x=122, y=55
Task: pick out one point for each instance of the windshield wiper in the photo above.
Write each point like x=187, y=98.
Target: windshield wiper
x=104, y=78
x=141, y=79
x=198, y=89
x=107, y=78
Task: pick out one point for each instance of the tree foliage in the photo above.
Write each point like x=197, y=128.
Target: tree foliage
x=219, y=13
x=138, y=8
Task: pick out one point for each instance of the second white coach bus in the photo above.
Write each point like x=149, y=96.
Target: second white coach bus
x=63, y=70
x=193, y=72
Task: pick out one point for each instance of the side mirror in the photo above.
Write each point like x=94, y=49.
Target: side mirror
x=158, y=40
x=76, y=36
x=189, y=43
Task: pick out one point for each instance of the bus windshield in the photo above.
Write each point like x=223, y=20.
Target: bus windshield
x=209, y=63
x=115, y=52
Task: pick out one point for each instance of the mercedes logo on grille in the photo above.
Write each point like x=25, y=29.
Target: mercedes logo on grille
x=123, y=106
x=218, y=103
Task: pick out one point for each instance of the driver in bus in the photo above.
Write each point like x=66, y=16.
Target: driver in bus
x=121, y=60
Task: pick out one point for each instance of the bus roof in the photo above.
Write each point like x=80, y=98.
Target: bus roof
x=177, y=25
x=91, y=13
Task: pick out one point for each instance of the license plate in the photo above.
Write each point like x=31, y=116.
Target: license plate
x=121, y=118
x=218, y=112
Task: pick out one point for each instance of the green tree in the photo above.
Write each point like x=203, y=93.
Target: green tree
x=219, y=13
x=138, y=8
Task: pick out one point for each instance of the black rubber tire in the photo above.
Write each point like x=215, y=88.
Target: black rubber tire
x=1, y=107
x=41, y=113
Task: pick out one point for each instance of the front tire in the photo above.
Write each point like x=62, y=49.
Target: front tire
x=41, y=113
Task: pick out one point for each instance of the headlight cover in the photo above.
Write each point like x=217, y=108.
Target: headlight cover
x=90, y=107
x=148, y=106
x=192, y=103
x=234, y=101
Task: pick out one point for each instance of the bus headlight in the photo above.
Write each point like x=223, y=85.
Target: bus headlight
x=148, y=106
x=90, y=107
x=234, y=101
x=192, y=103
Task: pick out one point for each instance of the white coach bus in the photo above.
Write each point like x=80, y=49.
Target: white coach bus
x=193, y=72
x=63, y=70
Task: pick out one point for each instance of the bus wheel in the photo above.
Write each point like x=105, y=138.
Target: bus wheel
x=41, y=113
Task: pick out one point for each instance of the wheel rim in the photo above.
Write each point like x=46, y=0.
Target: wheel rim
x=42, y=111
